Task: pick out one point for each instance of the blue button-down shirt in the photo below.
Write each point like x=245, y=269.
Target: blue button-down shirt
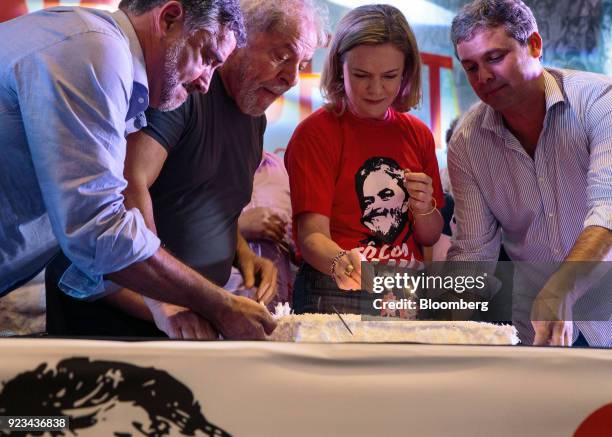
x=540, y=205
x=72, y=85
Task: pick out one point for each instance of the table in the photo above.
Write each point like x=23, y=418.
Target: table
x=285, y=389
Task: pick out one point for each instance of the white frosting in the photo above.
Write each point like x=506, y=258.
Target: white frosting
x=329, y=328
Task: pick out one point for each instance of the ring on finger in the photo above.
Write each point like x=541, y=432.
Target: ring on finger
x=349, y=269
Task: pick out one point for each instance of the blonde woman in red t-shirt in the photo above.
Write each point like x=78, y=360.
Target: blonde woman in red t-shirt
x=363, y=174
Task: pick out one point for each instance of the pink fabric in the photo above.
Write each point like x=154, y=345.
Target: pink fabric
x=270, y=190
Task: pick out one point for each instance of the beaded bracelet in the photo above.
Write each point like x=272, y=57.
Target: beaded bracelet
x=433, y=209
x=335, y=260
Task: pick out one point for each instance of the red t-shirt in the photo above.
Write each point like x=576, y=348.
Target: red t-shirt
x=351, y=170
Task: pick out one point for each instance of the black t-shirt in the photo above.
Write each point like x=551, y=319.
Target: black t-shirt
x=213, y=152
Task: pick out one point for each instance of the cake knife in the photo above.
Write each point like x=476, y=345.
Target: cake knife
x=342, y=320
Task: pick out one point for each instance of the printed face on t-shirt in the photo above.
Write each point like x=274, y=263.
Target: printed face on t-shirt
x=382, y=197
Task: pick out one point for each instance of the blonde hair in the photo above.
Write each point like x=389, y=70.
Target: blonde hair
x=372, y=25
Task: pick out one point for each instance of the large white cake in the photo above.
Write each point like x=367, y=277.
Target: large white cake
x=328, y=328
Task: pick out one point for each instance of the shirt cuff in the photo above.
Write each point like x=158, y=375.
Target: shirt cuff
x=79, y=285
x=600, y=215
x=86, y=286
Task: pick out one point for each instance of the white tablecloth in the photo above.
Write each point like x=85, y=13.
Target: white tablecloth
x=279, y=389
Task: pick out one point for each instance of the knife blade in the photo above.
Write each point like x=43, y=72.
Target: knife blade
x=342, y=320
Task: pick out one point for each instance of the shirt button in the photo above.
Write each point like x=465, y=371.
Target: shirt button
x=541, y=180
x=551, y=215
x=140, y=100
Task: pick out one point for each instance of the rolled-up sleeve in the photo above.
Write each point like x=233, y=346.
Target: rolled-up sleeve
x=598, y=119
x=478, y=235
x=74, y=117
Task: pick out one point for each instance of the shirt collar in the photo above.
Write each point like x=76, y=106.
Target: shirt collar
x=140, y=71
x=139, y=99
x=552, y=92
x=493, y=120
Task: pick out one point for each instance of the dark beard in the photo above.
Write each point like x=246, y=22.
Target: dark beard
x=170, y=77
x=379, y=238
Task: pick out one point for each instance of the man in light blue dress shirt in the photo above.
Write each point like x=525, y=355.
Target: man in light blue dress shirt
x=73, y=83
x=532, y=165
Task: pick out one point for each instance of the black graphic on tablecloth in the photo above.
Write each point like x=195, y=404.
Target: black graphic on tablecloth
x=107, y=398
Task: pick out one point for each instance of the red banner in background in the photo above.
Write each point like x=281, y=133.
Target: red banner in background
x=435, y=63
x=12, y=9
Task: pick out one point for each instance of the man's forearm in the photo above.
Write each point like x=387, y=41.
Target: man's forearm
x=163, y=277
x=586, y=264
x=138, y=196
x=130, y=303
x=241, y=243
x=593, y=244
x=242, y=248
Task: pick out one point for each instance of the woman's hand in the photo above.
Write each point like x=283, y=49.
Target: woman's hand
x=420, y=189
x=319, y=250
x=347, y=271
x=428, y=221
